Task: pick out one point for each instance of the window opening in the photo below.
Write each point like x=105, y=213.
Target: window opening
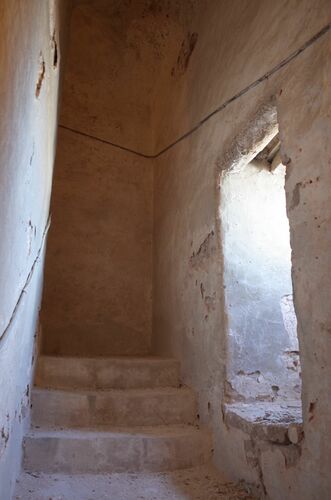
x=263, y=353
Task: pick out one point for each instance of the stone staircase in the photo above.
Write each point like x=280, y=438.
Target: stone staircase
x=108, y=415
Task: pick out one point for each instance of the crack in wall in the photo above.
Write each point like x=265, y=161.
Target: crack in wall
x=41, y=75
x=27, y=282
x=204, y=252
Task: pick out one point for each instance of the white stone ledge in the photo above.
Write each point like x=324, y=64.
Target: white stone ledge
x=268, y=421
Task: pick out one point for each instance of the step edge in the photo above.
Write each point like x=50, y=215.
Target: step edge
x=153, y=431
x=116, y=359
x=131, y=391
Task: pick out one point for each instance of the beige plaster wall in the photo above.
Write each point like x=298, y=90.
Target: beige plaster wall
x=216, y=48
x=116, y=55
x=97, y=297
x=98, y=283
x=32, y=36
x=190, y=322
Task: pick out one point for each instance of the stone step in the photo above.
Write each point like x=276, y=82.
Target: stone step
x=154, y=449
x=106, y=373
x=74, y=409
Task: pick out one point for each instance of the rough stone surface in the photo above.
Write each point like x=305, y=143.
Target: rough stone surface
x=277, y=423
x=200, y=483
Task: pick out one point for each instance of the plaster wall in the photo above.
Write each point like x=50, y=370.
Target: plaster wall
x=239, y=41
x=98, y=277
x=32, y=36
x=98, y=281
x=189, y=310
x=116, y=56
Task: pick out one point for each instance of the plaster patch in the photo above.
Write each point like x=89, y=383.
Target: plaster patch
x=41, y=75
x=54, y=49
x=185, y=54
x=204, y=252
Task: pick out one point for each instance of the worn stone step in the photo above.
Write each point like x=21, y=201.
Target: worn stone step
x=106, y=373
x=74, y=409
x=152, y=449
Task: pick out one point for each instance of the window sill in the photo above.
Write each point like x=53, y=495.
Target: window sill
x=279, y=423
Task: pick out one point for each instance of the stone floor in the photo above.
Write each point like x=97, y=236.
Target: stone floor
x=200, y=483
